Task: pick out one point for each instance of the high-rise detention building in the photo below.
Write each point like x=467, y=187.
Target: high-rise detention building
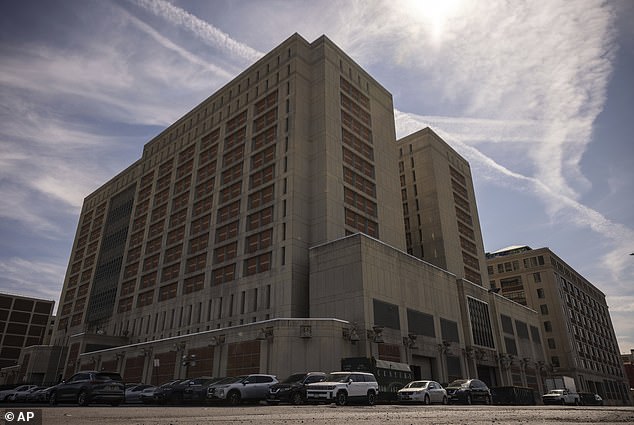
x=440, y=213
x=263, y=232
x=211, y=227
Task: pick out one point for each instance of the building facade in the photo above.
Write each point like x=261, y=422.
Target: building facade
x=575, y=321
x=263, y=232
x=234, y=193
x=24, y=321
x=439, y=206
x=628, y=365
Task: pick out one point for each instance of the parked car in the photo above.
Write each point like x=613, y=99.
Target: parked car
x=6, y=390
x=341, y=387
x=10, y=396
x=133, y=393
x=293, y=388
x=196, y=390
x=147, y=395
x=590, y=399
x=21, y=396
x=426, y=392
x=211, y=389
x=87, y=387
x=40, y=396
x=165, y=393
x=561, y=396
x=7, y=394
x=468, y=391
x=248, y=387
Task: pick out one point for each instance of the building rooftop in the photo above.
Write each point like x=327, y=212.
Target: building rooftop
x=509, y=250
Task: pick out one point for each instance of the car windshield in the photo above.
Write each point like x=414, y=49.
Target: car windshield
x=417, y=384
x=170, y=383
x=227, y=380
x=294, y=378
x=459, y=383
x=337, y=377
x=233, y=379
x=108, y=377
x=556, y=392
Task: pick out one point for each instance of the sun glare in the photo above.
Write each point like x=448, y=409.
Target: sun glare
x=434, y=14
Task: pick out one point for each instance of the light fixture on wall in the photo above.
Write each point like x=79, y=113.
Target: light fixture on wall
x=305, y=331
x=350, y=334
x=376, y=334
x=264, y=334
x=216, y=340
x=410, y=341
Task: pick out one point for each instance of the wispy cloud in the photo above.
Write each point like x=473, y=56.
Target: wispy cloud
x=503, y=60
x=32, y=278
x=202, y=29
x=170, y=45
x=566, y=210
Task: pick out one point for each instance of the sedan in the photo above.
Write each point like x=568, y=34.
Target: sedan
x=133, y=394
x=425, y=392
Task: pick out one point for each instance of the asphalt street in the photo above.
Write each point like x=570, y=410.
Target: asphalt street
x=327, y=415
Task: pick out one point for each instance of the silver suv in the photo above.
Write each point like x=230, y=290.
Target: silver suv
x=341, y=387
x=247, y=387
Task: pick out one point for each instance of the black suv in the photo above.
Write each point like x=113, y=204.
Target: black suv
x=293, y=388
x=87, y=387
x=468, y=391
x=196, y=389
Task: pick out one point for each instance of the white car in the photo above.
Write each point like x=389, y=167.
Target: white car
x=426, y=392
x=340, y=387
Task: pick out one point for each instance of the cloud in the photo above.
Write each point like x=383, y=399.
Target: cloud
x=202, y=29
x=60, y=106
x=168, y=44
x=504, y=60
x=567, y=210
x=32, y=278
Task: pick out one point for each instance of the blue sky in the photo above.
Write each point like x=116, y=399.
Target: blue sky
x=538, y=96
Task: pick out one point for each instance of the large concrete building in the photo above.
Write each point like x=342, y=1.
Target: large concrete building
x=575, y=320
x=440, y=213
x=263, y=232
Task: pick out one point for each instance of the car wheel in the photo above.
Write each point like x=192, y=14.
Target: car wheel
x=296, y=398
x=444, y=400
x=371, y=398
x=342, y=398
x=234, y=398
x=52, y=399
x=82, y=398
x=468, y=399
x=426, y=400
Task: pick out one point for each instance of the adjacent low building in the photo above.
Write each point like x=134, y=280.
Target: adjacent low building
x=24, y=322
x=575, y=320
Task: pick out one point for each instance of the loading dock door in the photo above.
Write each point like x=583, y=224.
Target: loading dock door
x=426, y=365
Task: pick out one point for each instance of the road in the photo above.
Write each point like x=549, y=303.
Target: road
x=329, y=415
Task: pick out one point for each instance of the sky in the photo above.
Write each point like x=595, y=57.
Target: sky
x=537, y=96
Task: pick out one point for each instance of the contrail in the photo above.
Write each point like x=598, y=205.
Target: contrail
x=206, y=32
